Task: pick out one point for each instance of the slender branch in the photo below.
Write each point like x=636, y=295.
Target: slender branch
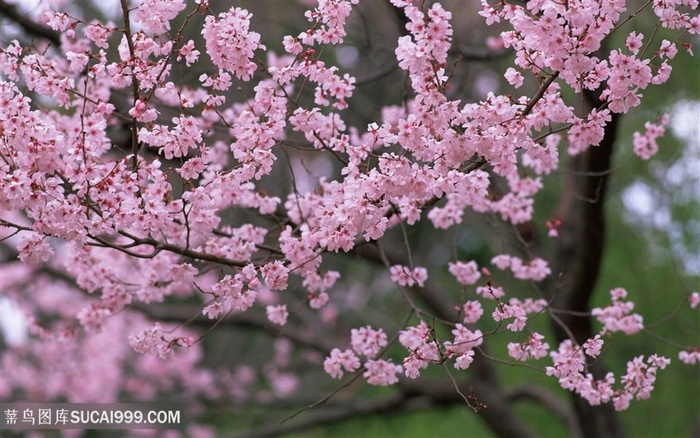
x=134, y=83
x=193, y=315
x=536, y=98
x=28, y=25
x=479, y=53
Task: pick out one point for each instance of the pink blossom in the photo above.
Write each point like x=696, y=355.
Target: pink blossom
x=634, y=42
x=472, y=311
x=412, y=364
x=213, y=310
x=464, y=340
x=230, y=43
x=292, y=45
x=501, y=261
x=618, y=316
x=645, y=145
x=694, y=299
x=593, y=346
x=316, y=301
x=155, y=15
x=275, y=275
x=689, y=357
x=233, y=295
x=188, y=52
x=536, y=270
x=463, y=361
x=190, y=212
x=533, y=348
x=338, y=361
x=381, y=372
x=99, y=33
x=153, y=341
x=514, y=77
x=404, y=276
x=490, y=292
x=465, y=273
x=667, y=49
x=277, y=314
x=93, y=317
x=57, y=20
x=513, y=310
x=367, y=341
x=33, y=250
x=422, y=350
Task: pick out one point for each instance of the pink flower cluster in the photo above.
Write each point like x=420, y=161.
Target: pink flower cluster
x=330, y=17
x=341, y=360
x=570, y=366
x=34, y=250
x=465, y=273
x=518, y=311
x=404, y=276
x=367, y=342
x=617, y=317
x=645, y=145
x=230, y=43
x=533, y=348
x=462, y=346
x=422, y=351
x=234, y=293
x=154, y=341
x=134, y=227
x=537, y=269
x=155, y=15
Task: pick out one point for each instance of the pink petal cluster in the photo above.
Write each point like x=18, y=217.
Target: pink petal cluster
x=462, y=345
x=153, y=222
x=367, y=341
x=404, y=276
x=533, y=348
x=645, y=145
x=230, y=43
x=465, y=273
x=537, y=269
x=339, y=361
x=618, y=316
x=422, y=351
x=381, y=372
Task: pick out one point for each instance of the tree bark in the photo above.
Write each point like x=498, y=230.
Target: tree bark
x=576, y=259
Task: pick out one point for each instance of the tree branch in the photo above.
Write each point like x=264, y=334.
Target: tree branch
x=29, y=25
x=192, y=316
x=576, y=260
x=479, y=53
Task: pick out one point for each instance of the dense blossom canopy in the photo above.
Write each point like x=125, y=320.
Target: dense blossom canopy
x=106, y=231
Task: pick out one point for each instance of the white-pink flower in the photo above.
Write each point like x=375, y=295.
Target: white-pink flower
x=514, y=77
x=33, y=250
x=404, y=276
x=367, y=341
x=381, y=372
x=465, y=273
x=472, y=311
x=230, y=43
x=338, y=361
x=694, y=299
x=593, y=346
x=277, y=314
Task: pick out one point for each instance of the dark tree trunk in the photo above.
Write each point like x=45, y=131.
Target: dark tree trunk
x=576, y=259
